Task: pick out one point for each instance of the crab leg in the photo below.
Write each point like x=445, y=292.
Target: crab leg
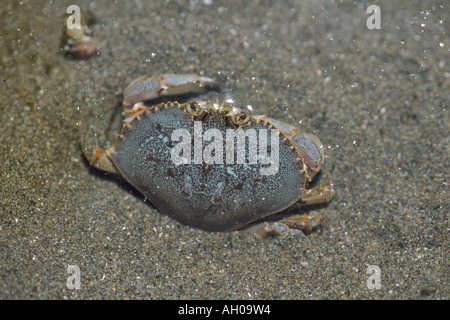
x=320, y=194
x=305, y=223
x=147, y=88
x=100, y=159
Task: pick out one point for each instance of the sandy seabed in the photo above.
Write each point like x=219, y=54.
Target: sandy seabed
x=378, y=100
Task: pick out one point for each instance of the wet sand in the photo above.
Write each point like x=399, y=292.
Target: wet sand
x=378, y=100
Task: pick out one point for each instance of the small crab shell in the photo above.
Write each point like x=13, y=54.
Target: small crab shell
x=79, y=43
x=212, y=197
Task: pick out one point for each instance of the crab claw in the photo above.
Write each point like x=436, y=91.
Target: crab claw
x=311, y=150
x=147, y=88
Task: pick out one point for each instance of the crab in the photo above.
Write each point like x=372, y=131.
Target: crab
x=212, y=165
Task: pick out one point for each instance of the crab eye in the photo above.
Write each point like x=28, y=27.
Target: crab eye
x=194, y=109
x=241, y=117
